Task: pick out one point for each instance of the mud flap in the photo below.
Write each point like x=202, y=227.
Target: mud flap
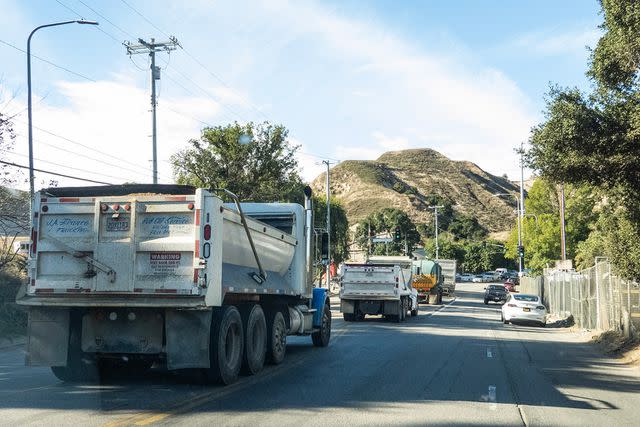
x=347, y=306
x=187, y=334
x=48, y=337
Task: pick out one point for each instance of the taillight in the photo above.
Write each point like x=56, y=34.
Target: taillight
x=207, y=232
x=190, y=206
x=104, y=208
x=34, y=238
x=511, y=305
x=127, y=208
x=116, y=207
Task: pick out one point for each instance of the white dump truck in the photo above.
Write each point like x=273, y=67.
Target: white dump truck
x=382, y=286
x=121, y=277
x=449, y=267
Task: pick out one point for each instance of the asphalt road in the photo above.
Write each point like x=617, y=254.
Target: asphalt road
x=452, y=365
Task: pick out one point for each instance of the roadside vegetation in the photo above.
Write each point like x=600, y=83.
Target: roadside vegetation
x=589, y=141
x=461, y=237
x=13, y=222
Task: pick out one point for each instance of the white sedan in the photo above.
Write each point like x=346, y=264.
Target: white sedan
x=525, y=308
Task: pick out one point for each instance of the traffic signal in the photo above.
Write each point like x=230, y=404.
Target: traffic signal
x=521, y=251
x=398, y=234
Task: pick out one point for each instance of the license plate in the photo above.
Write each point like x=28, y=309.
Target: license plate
x=114, y=224
x=526, y=309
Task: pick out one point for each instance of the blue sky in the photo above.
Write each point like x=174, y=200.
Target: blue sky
x=350, y=79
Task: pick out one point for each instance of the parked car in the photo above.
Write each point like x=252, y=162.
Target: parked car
x=495, y=293
x=510, y=285
x=492, y=276
x=478, y=278
x=525, y=308
x=464, y=277
x=502, y=273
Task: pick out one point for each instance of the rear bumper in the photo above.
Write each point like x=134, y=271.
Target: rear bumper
x=112, y=301
x=525, y=317
x=370, y=297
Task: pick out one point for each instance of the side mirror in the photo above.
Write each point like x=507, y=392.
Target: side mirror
x=324, y=247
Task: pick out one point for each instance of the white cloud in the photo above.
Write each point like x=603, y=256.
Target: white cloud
x=112, y=120
x=553, y=42
x=464, y=102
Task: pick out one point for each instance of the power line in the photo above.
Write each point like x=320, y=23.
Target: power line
x=90, y=158
x=195, y=95
x=61, y=165
x=82, y=17
x=144, y=17
x=107, y=19
x=49, y=62
x=54, y=173
x=84, y=146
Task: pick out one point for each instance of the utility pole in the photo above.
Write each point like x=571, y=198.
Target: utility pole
x=563, y=236
x=435, y=217
x=151, y=48
x=328, y=163
x=521, y=210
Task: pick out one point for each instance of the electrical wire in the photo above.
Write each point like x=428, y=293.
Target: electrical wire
x=54, y=173
x=49, y=62
x=82, y=17
x=61, y=165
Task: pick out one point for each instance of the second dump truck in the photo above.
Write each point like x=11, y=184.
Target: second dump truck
x=382, y=286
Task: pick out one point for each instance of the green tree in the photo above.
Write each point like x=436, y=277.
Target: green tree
x=385, y=221
x=339, y=226
x=593, y=138
x=264, y=169
x=541, y=226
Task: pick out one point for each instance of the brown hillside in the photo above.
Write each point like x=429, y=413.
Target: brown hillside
x=404, y=180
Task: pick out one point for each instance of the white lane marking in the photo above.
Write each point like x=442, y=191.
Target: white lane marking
x=442, y=307
x=489, y=353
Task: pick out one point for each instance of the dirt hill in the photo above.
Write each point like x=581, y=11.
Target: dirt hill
x=408, y=179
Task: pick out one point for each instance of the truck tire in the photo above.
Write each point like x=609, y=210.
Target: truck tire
x=403, y=309
x=414, y=312
x=255, y=339
x=276, y=337
x=321, y=337
x=225, y=351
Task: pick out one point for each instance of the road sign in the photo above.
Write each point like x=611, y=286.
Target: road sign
x=381, y=240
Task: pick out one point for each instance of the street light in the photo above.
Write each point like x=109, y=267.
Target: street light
x=55, y=24
x=518, y=221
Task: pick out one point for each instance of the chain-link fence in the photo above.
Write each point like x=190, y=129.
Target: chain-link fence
x=596, y=298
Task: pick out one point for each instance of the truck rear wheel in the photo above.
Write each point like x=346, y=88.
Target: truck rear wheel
x=276, y=338
x=225, y=351
x=255, y=339
x=321, y=338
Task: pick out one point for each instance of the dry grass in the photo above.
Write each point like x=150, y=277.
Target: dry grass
x=366, y=186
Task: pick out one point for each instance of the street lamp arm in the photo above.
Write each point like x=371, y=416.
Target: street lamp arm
x=29, y=106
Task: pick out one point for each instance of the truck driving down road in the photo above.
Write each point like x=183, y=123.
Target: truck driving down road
x=121, y=277
x=382, y=286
